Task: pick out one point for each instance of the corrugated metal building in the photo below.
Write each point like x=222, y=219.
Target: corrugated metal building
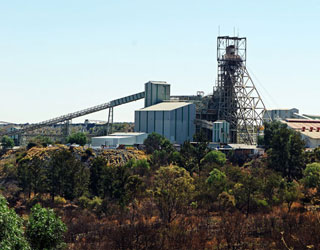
x=117, y=139
x=309, y=130
x=221, y=131
x=156, y=92
x=173, y=120
x=275, y=114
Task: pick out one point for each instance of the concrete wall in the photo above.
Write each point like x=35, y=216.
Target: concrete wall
x=177, y=125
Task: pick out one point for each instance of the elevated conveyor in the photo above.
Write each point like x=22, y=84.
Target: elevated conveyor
x=70, y=116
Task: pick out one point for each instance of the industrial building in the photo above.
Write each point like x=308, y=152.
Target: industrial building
x=276, y=114
x=116, y=139
x=309, y=130
x=173, y=120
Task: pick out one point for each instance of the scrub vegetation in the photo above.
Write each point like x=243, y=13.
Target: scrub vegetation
x=162, y=198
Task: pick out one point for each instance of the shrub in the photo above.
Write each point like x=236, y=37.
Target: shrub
x=44, y=229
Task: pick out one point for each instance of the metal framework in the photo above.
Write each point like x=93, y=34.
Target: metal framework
x=235, y=95
x=70, y=116
x=110, y=121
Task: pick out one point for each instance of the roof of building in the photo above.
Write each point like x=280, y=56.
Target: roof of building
x=159, y=82
x=317, y=117
x=313, y=135
x=166, y=106
x=120, y=135
x=241, y=146
x=112, y=137
x=283, y=109
x=308, y=125
x=127, y=133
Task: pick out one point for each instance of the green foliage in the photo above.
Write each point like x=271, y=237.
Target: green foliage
x=58, y=200
x=120, y=185
x=44, y=229
x=11, y=230
x=214, y=157
x=66, y=175
x=97, y=172
x=155, y=142
x=7, y=142
x=311, y=175
x=285, y=150
x=39, y=141
x=140, y=167
x=32, y=176
x=160, y=148
x=245, y=192
x=172, y=191
x=226, y=201
x=289, y=192
x=77, y=138
x=217, y=178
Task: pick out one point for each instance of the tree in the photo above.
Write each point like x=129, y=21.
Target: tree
x=39, y=141
x=289, y=192
x=66, y=175
x=245, y=191
x=172, y=191
x=214, y=157
x=77, y=138
x=311, y=175
x=44, y=229
x=97, y=175
x=32, y=176
x=11, y=229
x=285, y=152
x=120, y=185
x=217, y=182
x=7, y=142
x=270, y=129
x=155, y=142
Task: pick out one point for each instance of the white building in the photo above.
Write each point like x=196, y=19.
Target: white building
x=117, y=139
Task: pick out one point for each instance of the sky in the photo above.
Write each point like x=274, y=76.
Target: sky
x=58, y=57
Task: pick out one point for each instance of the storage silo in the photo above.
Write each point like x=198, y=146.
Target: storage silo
x=156, y=92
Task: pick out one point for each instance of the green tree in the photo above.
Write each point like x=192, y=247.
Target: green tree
x=172, y=191
x=66, y=175
x=7, y=142
x=155, y=142
x=39, y=141
x=11, y=229
x=286, y=153
x=45, y=230
x=77, y=138
x=32, y=176
x=245, y=192
x=214, y=157
x=97, y=176
x=289, y=192
x=311, y=176
x=270, y=130
x=120, y=185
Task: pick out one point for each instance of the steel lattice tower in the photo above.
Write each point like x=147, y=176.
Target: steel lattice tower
x=235, y=96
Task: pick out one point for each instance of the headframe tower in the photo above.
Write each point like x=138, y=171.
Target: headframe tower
x=235, y=97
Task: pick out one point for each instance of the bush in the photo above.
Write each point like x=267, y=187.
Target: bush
x=58, y=200
x=78, y=138
x=216, y=157
x=44, y=229
x=11, y=231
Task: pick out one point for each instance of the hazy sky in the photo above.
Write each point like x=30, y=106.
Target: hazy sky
x=58, y=56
